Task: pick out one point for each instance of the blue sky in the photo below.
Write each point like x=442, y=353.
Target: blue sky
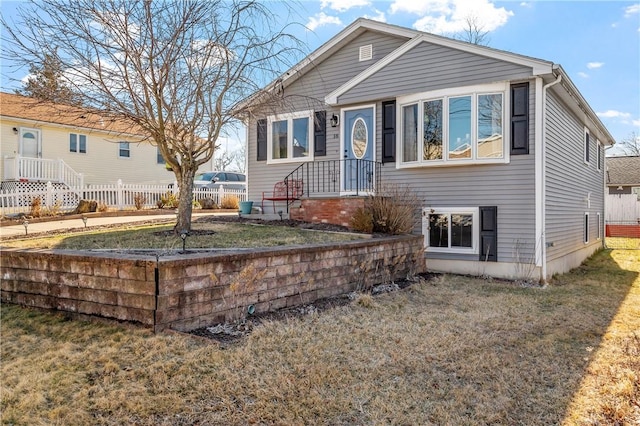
x=596, y=42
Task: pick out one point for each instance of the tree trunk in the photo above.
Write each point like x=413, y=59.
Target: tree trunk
x=185, y=201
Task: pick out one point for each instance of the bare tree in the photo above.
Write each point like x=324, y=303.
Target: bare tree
x=474, y=32
x=178, y=70
x=631, y=145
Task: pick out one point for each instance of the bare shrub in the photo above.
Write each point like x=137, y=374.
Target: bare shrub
x=54, y=210
x=169, y=200
x=102, y=207
x=36, y=207
x=229, y=202
x=393, y=209
x=139, y=200
x=362, y=221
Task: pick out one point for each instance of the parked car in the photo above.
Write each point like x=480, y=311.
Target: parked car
x=230, y=180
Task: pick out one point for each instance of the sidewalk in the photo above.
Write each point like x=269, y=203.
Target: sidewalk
x=56, y=225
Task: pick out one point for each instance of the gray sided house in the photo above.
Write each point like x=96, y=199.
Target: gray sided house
x=503, y=152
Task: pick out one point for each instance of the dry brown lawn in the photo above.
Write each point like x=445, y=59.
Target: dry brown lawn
x=450, y=351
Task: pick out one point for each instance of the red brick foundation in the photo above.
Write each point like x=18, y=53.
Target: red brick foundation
x=337, y=211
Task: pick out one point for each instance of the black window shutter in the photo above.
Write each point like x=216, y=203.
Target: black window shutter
x=320, y=134
x=519, y=118
x=489, y=234
x=389, y=131
x=261, y=137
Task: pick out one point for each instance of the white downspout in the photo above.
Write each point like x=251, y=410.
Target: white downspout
x=543, y=180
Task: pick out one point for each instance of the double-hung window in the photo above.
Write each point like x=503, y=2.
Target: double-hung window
x=587, y=145
x=124, y=150
x=290, y=137
x=453, y=126
x=77, y=143
x=453, y=230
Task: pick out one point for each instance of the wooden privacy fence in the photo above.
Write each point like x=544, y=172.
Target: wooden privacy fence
x=120, y=196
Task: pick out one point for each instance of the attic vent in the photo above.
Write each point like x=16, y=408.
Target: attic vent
x=366, y=52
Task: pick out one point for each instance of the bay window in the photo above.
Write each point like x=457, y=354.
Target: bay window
x=464, y=125
x=290, y=137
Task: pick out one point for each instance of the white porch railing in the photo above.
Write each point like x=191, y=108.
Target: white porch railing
x=119, y=196
x=41, y=170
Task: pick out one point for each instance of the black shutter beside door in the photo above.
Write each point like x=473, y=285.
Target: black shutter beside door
x=389, y=132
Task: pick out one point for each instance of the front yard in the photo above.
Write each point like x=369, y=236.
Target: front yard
x=449, y=350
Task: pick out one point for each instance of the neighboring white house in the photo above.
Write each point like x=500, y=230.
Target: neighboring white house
x=42, y=141
x=623, y=196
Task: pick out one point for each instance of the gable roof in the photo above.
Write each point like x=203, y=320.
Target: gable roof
x=547, y=70
x=623, y=171
x=33, y=110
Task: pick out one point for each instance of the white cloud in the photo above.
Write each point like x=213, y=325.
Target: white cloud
x=343, y=5
x=321, y=19
x=583, y=74
x=631, y=10
x=613, y=114
x=526, y=4
x=450, y=16
x=379, y=16
x=636, y=122
x=594, y=65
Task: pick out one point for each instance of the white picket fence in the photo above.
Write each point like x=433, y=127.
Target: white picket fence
x=622, y=208
x=120, y=196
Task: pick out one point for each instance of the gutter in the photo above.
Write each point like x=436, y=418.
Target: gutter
x=543, y=178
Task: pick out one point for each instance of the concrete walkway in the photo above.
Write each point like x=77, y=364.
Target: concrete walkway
x=56, y=225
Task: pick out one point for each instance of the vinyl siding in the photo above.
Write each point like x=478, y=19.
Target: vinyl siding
x=568, y=182
x=429, y=67
x=307, y=93
x=510, y=187
x=101, y=163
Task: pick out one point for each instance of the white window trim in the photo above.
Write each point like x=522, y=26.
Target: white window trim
x=586, y=146
x=86, y=139
x=473, y=91
x=473, y=211
x=586, y=225
x=599, y=155
x=290, y=117
x=599, y=235
x=120, y=156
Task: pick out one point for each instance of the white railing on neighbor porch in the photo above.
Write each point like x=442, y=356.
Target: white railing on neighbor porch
x=20, y=168
x=119, y=196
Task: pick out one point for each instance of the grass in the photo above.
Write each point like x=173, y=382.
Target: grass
x=205, y=235
x=450, y=351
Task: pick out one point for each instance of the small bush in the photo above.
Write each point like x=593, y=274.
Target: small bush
x=169, y=200
x=36, y=207
x=362, y=221
x=102, y=207
x=139, y=200
x=229, y=202
x=392, y=209
x=53, y=210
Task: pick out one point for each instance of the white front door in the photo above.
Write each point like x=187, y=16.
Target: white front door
x=30, y=145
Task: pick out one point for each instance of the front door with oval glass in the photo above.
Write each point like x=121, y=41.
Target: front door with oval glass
x=358, y=167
